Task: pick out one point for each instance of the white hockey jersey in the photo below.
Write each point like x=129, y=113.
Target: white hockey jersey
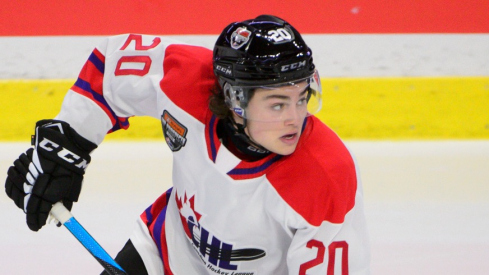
x=296, y=214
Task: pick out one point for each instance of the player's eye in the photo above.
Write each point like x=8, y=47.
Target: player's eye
x=278, y=106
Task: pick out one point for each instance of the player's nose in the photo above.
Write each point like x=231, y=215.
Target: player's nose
x=293, y=115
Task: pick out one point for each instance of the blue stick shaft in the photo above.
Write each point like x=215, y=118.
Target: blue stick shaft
x=64, y=216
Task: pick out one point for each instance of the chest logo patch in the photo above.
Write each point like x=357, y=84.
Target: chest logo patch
x=217, y=255
x=175, y=133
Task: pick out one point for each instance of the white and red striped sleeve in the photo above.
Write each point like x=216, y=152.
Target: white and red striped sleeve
x=136, y=75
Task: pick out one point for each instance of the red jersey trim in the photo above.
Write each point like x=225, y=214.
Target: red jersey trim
x=319, y=179
x=188, y=78
x=154, y=217
x=90, y=85
x=211, y=139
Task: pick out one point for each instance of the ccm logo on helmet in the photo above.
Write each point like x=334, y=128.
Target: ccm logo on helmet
x=63, y=153
x=293, y=66
x=224, y=70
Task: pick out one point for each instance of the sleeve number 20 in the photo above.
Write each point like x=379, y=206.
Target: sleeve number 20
x=332, y=248
x=136, y=64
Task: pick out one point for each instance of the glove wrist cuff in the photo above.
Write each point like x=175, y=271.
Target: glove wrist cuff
x=56, y=141
x=65, y=129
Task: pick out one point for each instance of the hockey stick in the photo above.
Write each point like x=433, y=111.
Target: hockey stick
x=64, y=216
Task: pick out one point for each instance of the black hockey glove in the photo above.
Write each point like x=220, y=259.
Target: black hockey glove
x=52, y=171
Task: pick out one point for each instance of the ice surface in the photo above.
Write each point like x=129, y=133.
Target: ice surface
x=427, y=207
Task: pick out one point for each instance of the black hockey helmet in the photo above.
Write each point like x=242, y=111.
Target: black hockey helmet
x=261, y=51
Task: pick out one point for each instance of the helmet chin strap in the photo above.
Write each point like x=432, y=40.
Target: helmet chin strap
x=241, y=134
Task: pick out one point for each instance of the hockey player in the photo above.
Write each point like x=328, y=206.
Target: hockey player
x=260, y=185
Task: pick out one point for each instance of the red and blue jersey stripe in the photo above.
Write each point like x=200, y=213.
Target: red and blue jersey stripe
x=154, y=217
x=244, y=170
x=90, y=84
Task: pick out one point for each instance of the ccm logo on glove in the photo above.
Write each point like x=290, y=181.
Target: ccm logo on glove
x=63, y=153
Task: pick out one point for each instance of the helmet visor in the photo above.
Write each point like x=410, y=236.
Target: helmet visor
x=278, y=102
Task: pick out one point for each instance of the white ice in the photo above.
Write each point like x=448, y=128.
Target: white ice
x=427, y=206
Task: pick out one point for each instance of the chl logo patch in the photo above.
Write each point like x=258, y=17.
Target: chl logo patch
x=218, y=256
x=175, y=133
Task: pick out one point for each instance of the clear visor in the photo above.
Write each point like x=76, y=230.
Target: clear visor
x=278, y=102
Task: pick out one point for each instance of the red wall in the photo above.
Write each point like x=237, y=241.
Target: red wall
x=106, y=17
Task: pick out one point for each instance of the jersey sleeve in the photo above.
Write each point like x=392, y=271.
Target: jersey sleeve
x=332, y=248
x=121, y=79
x=321, y=187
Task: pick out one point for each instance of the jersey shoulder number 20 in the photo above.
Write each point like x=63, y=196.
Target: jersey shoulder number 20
x=341, y=246
x=135, y=64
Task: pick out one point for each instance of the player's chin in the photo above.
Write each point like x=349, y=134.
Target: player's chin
x=286, y=148
x=287, y=151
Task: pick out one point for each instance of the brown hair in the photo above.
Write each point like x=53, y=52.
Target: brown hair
x=217, y=104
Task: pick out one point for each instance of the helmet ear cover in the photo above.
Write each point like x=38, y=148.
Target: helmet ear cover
x=237, y=99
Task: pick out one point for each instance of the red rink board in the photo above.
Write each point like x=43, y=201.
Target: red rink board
x=105, y=17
